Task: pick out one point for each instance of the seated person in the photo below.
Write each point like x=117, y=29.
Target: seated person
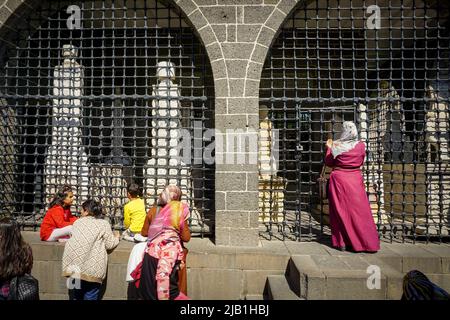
x=134, y=214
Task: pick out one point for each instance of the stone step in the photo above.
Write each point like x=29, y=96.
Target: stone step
x=315, y=277
x=254, y=297
x=278, y=289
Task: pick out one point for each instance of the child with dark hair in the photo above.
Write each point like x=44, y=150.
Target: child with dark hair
x=133, y=214
x=16, y=261
x=85, y=255
x=58, y=221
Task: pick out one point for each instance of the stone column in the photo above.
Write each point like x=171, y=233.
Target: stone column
x=66, y=161
x=164, y=166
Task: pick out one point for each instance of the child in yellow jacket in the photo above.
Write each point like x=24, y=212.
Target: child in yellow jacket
x=134, y=213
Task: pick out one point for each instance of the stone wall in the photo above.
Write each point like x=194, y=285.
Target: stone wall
x=237, y=272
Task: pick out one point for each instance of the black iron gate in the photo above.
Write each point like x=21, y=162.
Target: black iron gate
x=96, y=94
x=384, y=65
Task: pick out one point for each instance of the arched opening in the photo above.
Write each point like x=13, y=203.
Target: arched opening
x=338, y=60
x=99, y=94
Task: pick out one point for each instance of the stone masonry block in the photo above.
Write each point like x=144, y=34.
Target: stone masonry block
x=231, y=33
x=241, y=105
x=251, y=88
x=307, y=279
x=219, y=68
x=259, y=54
x=236, y=68
x=247, y=33
x=255, y=280
x=231, y=122
x=204, y=283
x=252, y=181
x=197, y=19
x=244, y=237
x=221, y=106
x=220, y=200
x=262, y=261
x=222, y=235
x=236, y=88
x=254, y=70
x=220, y=86
x=266, y=36
x=240, y=2
x=188, y=6
x=287, y=5
x=237, y=50
x=351, y=285
x=221, y=32
x=257, y=14
x=116, y=284
x=237, y=167
x=415, y=257
x=275, y=20
x=220, y=14
x=228, y=181
x=206, y=2
x=242, y=200
x=208, y=36
x=211, y=260
x=233, y=219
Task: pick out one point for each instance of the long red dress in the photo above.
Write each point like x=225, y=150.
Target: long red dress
x=351, y=220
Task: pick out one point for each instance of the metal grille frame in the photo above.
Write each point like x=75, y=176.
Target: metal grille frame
x=328, y=65
x=119, y=45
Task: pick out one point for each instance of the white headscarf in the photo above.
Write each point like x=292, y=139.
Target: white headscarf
x=347, y=141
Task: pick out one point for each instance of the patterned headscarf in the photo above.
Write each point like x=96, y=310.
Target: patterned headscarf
x=348, y=139
x=416, y=286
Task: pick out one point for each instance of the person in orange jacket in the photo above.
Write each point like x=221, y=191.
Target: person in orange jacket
x=58, y=220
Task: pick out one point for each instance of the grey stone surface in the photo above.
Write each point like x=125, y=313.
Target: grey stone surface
x=257, y=14
x=254, y=70
x=255, y=280
x=233, y=219
x=231, y=33
x=187, y=6
x=242, y=200
x=278, y=288
x=247, y=33
x=220, y=31
x=288, y=5
x=251, y=88
x=198, y=19
x=237, y=50
x=236, y=68
x=351, y=285
x=222, y=235
x=241, y=105
x=236, y=88
x=259, y=53
x=414, y=257
x=206, y=2
x=208, y=36
x=221, y=89
x=266, y=36
x=307, y=280
x=244, y=237
x=203, y=284
x=228, y=181
x=220, y=14
x=220, y=200
x=275, y=19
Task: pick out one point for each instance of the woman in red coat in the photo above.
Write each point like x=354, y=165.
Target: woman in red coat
x=58, y=221
x=351, y=221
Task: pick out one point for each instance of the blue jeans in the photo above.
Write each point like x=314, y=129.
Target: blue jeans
x=88, y=291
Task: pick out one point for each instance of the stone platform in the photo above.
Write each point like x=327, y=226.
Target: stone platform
x=273, y=270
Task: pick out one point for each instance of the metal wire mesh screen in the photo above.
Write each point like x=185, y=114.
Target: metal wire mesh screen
x=101, y=102
x=384, y=65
